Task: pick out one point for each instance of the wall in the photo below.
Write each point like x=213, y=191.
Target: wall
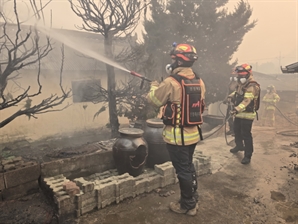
x=77, y=117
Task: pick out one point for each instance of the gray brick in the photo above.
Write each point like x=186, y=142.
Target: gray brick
x=88, y=208
x=153, y=181
x=20, y=190
x=165, y=169
x=21, y=176
x=106, y=192
x=167, y=180
x=141, y=184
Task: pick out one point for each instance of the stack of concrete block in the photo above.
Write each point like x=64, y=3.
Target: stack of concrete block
x=202, y=163
x=64, y=202
x=102, y=189
x=86, y=200
x=18, y=178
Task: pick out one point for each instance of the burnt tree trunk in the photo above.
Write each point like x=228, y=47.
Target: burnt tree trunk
x=113, y=117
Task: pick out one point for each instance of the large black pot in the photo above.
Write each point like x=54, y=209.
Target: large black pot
x=130, y=151
x=157, y=151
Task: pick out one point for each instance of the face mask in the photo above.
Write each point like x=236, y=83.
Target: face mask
x=242, y=80
x=169, y=69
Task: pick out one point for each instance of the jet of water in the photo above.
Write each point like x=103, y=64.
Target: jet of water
x=78, y=47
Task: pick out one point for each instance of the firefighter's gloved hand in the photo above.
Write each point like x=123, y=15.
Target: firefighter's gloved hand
x=233, y=112
x=154, y=83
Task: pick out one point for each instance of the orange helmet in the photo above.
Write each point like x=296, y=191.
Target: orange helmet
x=184, y=52
x=243, y=70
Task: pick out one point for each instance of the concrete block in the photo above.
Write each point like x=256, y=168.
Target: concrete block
x=124, y=187
x=104, y=175
x=86, y=186
x=9, y=167
x=20, y=190
x=78, y=164
x=153, y=181
x=21, y=176
x=202, y=159
x=2, y=183
x=140, y=184
x=165, y=169
x=60, y=193
x=65, y=205
x=106, y=192
x=167, y=180
x=124, y=196
x=88, y=208
x=7, y=161
x=84, y=199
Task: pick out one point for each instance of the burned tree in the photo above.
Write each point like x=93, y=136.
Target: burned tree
x=20, y=48
x=109, y=18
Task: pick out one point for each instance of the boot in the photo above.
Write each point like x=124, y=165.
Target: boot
x=236, y=149
x=175, y=207
x=187, y=200
x=245, y=160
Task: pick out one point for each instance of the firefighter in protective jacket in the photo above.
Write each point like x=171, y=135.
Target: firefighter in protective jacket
x=246, y=98
x=270, y=99
x=182, y=97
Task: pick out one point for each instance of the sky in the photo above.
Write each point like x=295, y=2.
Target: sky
x=271, y=44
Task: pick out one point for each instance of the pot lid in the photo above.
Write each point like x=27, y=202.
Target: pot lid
x=155, y=122
x=133, y=132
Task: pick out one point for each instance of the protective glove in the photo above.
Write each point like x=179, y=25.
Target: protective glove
x=154, y=83
x=169, y=69
x=233, y=112
x=227, y=100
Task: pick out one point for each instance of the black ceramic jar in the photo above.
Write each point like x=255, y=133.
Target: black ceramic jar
x=130, y=151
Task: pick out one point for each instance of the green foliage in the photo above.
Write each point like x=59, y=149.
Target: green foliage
x=208, y=26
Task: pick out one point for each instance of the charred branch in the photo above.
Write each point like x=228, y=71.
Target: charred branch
x=19, y=49
x=106, y=17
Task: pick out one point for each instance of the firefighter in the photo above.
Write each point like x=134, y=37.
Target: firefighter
x=270, y=99
x=181, y=117
x=246, y=98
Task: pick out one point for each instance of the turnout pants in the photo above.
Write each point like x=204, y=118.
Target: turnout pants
x=181, y=157
x=231, y=119
x=243, y=136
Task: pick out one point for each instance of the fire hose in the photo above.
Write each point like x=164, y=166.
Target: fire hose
x=141, y=77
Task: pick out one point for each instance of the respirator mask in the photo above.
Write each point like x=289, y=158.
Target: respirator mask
x=242, y=80
x=170, y=67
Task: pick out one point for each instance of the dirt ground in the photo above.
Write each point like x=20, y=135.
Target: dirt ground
x=265, y=191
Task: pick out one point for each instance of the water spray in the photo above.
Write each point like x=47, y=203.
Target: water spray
x=70, y=43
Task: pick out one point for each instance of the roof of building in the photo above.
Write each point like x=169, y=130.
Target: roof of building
x=292, y=68
x=281, y=82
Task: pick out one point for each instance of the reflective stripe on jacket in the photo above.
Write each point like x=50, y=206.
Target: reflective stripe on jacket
x=251, y=93
x=170, y=91
x=270, y=100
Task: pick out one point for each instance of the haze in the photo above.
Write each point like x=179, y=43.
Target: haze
x=271, y=44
